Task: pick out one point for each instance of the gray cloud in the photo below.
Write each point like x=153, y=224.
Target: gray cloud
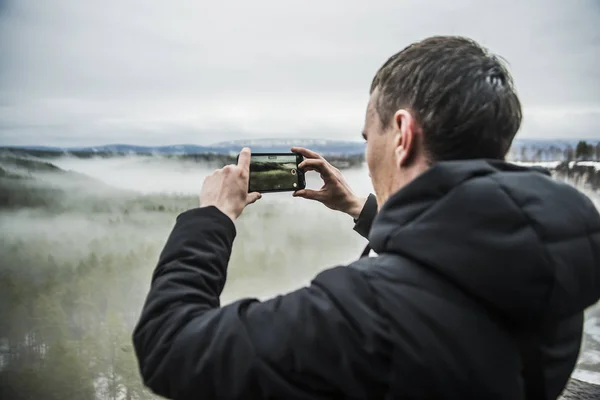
x=152, y=72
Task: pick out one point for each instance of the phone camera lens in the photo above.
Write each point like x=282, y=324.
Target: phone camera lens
x=293, y=172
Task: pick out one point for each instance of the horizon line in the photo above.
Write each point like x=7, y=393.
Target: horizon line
x=232, y=142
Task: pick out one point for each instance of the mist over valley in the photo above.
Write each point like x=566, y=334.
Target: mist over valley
x=80, y=237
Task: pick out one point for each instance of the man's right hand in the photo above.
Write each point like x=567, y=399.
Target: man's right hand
x=335, y=193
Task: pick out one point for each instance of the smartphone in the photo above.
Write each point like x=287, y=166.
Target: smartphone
x=276, y=172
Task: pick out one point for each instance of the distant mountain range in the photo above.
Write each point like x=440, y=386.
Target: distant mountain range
x=329, y=147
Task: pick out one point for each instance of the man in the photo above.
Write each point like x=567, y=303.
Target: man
x=482, y=273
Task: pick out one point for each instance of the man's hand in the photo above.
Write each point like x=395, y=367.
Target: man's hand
x=335, y=193
x=227, y=188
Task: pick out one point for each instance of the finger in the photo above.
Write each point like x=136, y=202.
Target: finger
x=306, y=153
x=309, y=194
x=244, y=159
x=253, y=197
x=321, y=166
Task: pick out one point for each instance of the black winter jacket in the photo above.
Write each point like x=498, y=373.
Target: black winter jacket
x=482, y=267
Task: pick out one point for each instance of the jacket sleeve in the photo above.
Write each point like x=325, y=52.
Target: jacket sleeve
x=320, y=341
x=363, y=223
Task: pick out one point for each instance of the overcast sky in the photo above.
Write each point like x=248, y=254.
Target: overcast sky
x=89, y=72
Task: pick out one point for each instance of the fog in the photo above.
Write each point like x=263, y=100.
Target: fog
x=164, y=175
x=79, y=250
x=280, y=238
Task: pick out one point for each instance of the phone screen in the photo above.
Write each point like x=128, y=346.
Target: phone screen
x=274, y=173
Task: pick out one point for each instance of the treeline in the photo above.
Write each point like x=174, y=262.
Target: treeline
x=583, y=151
x=215, y=160
x=580, y=174
x=586, y=152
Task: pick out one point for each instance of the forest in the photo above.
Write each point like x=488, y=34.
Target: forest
x=65, y=290
x=77, y=256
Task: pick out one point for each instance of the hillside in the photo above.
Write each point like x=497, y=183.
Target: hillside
x=521, y=150
x=27, y=183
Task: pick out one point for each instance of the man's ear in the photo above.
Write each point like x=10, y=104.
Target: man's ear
x=405, y=136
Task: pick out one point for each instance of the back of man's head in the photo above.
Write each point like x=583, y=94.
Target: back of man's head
x=461, y=96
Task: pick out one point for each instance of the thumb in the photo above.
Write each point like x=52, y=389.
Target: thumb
x=253, y=197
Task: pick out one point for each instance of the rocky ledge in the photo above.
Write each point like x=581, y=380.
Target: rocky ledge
x=580, y=390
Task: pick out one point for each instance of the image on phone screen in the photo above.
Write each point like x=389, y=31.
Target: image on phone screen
x=275, y=172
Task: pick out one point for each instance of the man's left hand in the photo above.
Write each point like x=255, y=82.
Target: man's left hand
x=227, y=188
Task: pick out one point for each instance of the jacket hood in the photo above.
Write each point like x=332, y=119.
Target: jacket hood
x=522, y=243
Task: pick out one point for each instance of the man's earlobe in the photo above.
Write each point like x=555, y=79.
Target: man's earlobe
x=401, y=153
